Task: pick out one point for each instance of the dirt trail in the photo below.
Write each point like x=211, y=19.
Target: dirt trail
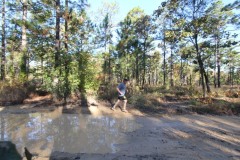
x=183, y=137
x=175, y=137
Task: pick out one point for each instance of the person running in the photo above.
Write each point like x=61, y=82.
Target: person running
x=121, y=89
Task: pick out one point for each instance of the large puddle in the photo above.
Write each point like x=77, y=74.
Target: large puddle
x=44, y=133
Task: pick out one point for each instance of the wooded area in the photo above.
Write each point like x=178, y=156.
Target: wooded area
x=61, y=65
x=54, y=46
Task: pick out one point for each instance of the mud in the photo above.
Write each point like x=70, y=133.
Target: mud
x=98, y=133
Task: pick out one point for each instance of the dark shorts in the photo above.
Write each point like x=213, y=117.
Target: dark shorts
x=122, y=98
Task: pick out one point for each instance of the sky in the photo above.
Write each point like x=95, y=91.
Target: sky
x=126, y=5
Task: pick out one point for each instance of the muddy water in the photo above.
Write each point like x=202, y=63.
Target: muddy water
x=44, y=133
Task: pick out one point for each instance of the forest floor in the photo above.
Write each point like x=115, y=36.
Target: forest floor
x=174, y=131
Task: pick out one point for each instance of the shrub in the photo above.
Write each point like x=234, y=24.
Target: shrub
x=13, y=93
x=147, y=101
x=107, y=92
x=231, y=93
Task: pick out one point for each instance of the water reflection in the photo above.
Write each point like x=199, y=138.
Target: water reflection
x=44, y=133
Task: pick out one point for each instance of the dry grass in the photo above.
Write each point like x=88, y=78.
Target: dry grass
x=160, y=99
x=13, y=93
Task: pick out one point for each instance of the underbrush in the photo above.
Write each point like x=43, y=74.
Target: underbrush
x=107, y=92
x=158, y=99
x=13, y=93
x=150, y=102
x=218, y=107
x=178, y=91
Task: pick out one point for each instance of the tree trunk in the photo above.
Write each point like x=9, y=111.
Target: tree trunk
x=66, y=25
x=144, y=63
x=156, y=75
x=164, y=59
x=105, y=67
x=171, y=73
x=137, y=68
x=42, y=70
x=23, y=64
x=149, y=72
x=181, y=72
x=219, y=77
x=109, y=67
x=218, y=71
x=81, y=73
x=200, y=63
x=215, y=67
x=190, y=81
x=57, y=36
x=207, y=82
x=3, y=58
x=66, y=91
x=232, y=80
x=24, y=30
x=229, y=76
x=106, y=26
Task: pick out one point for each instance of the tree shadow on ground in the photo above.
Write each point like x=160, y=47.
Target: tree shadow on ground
x=76, y=105
x=84, y=104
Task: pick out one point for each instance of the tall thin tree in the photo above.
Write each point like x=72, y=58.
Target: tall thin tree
x=57, y=36
x=3, y=59
x=66, y=61
x=23, y=64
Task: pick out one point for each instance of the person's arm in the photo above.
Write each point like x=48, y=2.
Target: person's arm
x=119, y=91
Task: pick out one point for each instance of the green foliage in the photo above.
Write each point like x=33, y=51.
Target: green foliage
x=82, y=77
x=84, y=73
x=134, y=56
x=135, y=43
x=61, y=89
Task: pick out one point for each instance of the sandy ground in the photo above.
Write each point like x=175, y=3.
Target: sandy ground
x=176, y=137
x=163, y=137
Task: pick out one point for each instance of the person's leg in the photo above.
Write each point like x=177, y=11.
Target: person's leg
x=116, y=104
x=124, y=105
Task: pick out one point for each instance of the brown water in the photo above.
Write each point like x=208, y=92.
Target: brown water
x=43, y=133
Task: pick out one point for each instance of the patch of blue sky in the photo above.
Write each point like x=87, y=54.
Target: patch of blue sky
x=124, y=6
